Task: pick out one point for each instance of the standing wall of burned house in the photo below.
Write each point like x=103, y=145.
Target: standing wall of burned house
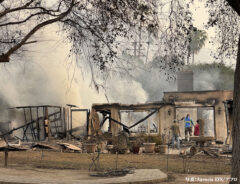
x=153, y=117
x=206, y=98
x=166, y=117
x=115, y=114
x=94, y=121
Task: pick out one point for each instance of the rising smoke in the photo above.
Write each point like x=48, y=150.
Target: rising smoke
x=150, y=82
x=46, y=75
x=213, y=77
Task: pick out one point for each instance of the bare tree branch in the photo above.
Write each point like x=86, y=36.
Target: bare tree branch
x=5, y=57
x=16, y=9
x=23, y=21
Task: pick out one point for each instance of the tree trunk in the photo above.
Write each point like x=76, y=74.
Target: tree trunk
x=236, y=122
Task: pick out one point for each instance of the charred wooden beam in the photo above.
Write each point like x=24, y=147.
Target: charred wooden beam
x=134, y=107
x=145, y=118
x=34, y=106
x=25, y=126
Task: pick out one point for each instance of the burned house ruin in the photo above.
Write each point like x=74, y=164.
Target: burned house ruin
x=36, y=123
x=156, y=118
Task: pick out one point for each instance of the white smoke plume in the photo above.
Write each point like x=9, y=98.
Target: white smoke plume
x=125, y=91
x=47, y=76
x=213, y=77
x=204, y=80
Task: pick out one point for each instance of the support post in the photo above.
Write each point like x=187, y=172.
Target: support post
x=31, y=126
x=88, y=115
x=71, y=121
x=38, y=127
x=64, y=121
x=115, y=128
x=47, y=124
x=5, y=157
x=25, y=130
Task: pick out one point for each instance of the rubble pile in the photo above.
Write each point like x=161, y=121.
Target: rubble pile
x=121, y=144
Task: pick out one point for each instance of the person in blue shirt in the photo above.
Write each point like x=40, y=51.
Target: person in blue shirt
x=188, y=126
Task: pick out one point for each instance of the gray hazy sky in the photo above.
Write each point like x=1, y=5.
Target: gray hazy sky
x=200, y=17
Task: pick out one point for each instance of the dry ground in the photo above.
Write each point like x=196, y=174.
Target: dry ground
x=81, y=161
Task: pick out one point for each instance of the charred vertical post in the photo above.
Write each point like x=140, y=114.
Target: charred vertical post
x=31, y=126
x=49, y=127
x=38, y=126
x=6, y=157
x=70, y=121
x=44, y=123
x=88, y=115
x=61, y=119
x=64, y=120
x=47, y=124
x=25, y=129
x=43, y=115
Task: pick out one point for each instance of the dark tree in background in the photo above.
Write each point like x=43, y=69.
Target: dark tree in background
x=235, y=4
x=225, y=15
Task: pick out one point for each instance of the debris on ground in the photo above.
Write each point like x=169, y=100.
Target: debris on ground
x=70, y=147
x=12, y=148
x=37, y=146
x=111, y=173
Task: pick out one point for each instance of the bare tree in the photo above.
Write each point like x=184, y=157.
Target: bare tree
x=88, y=23
x=20, y=20
x=98, y=26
